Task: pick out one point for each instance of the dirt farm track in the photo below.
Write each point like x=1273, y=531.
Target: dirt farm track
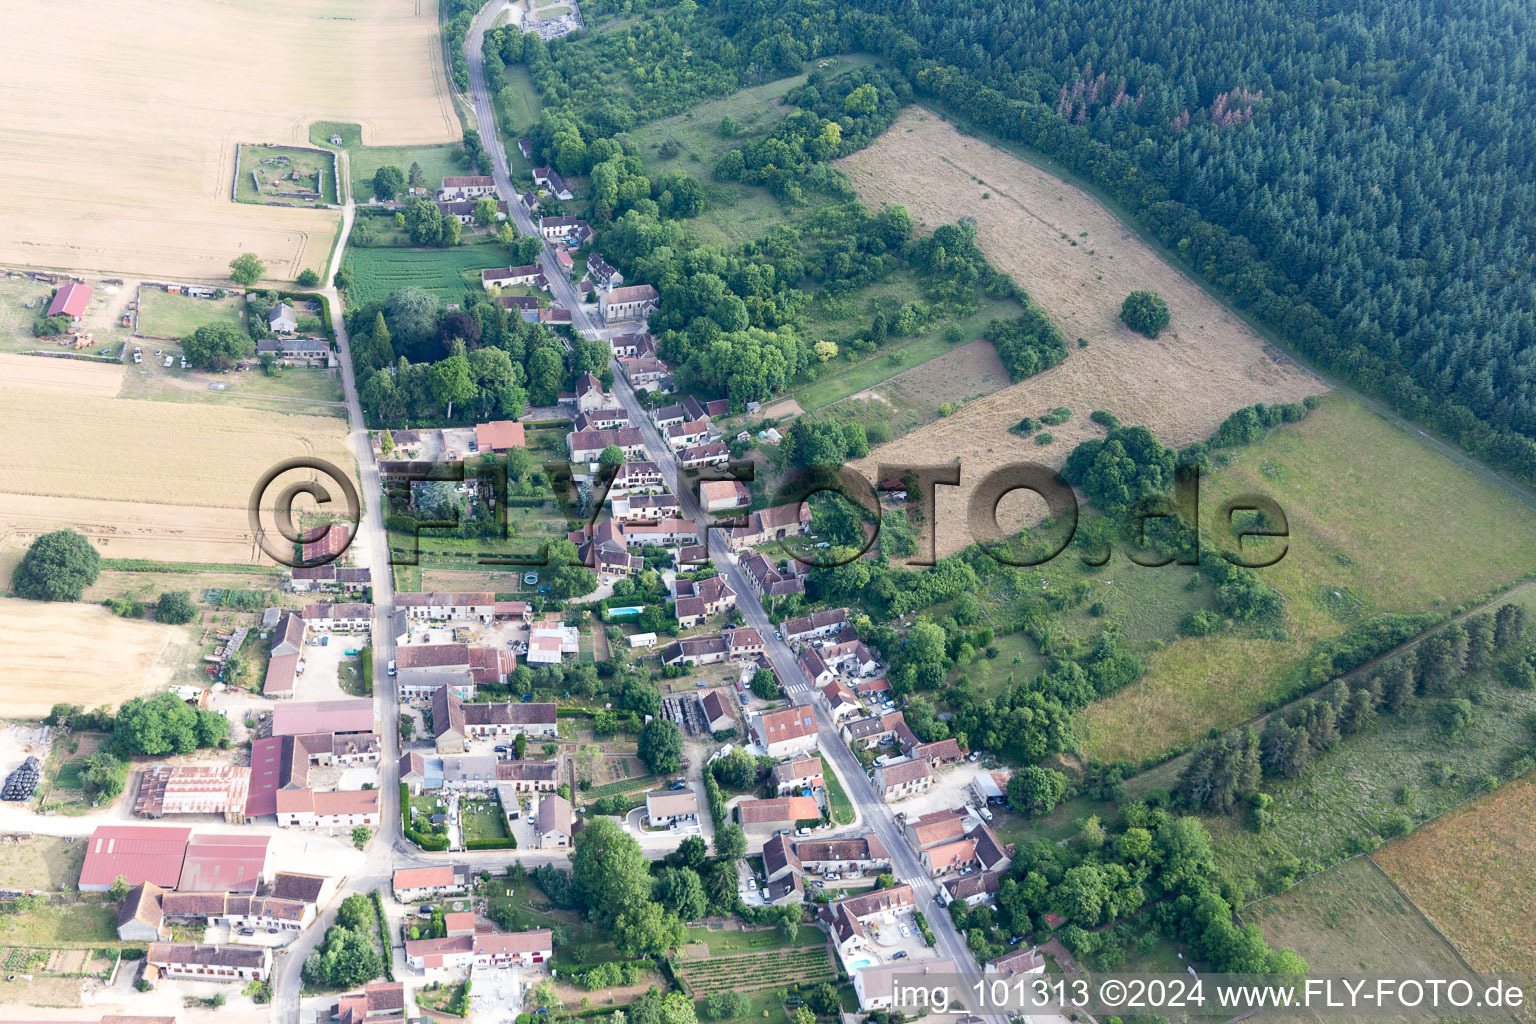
x=126, y=147
x=1078, y=262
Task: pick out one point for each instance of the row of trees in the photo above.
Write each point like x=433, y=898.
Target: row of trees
x=1229, y=769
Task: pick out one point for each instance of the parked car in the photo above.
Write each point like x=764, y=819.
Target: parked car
x=502, y=749
x=899, y=954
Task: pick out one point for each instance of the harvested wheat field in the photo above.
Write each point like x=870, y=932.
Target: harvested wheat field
x=1182, y=385
x=1473, y=873
x=159, y=480
x=91, y=657
x=61, y=376
x=130, y=168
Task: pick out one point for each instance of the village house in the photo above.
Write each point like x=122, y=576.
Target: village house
x=378, y=999
x=305, y=808
x=412, y=884
x=842, y=856
x=636, y=478
x=903, y=779
x=548, y=178
x=196, y=961
x=663, y=533
x=798, y=775
x=840, y=701
x=504, y=277
x=851, y=657
x=644, y=373
x=339, y=618
x=816, y=670
x=297, y=352
x=713, y=453
x=846, y=918
x=767, y=580
x=499, y=436
x=71, y=301
x=645, y=508
x=441, y=606
x=553, y=823
x=463, y=210
x=686, y=435
x=483, y=949
x=607, y=551
x=281, y=319
x=934, y=829
x=774, y=523
x=877, y=730
x=602, y=273
x=940, y=752
x=554, y=229
x=600, y=419
x=589, y=393
x=783, y=872
x=875, y=986
x=455, y=723
x=973, y=888
x=1020, y=961
x=632, y=346
x=588, y=445
x=715, y=709
x=634, y=302
x=950, y=858
x=724, y=495
x=785, y=732
x=694, y=601
x=527, y=777
x=758, y=816
x=472, y=186
x=283, y=664
x=678, y=811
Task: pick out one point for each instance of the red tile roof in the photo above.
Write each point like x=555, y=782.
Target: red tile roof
x=70, y=300
x=140, y=853
x=499, y=434
x=224, y=863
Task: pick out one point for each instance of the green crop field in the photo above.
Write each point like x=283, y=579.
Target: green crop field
x=450, y=273
x=164, y=315
x=1379, y=523
x=276, y=167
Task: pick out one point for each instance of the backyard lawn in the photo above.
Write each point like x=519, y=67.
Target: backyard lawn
x=164, y=315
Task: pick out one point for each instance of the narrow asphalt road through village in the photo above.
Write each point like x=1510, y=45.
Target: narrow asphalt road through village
x=874, y=813
x=389, y=849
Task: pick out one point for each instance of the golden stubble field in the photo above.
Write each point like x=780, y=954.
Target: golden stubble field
x=1473, y=873
x=167, y=481
x=119, y=128
x=82, y=653
x=1181, y=385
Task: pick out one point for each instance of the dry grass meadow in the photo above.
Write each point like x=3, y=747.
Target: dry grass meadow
x=1473, y=873
x=158, y=480
x=126, y=144
x=1078, y=262
x=91, y=656
x=1378, y=523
